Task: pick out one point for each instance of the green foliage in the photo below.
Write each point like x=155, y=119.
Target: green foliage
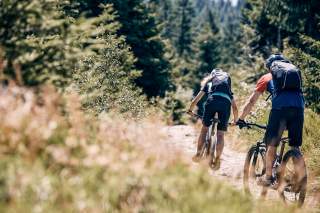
x=164, y=14
x=308, y=60
x=142, y=34
x=184, y=35
x=311, y=137
x=209, y=49
x=44, y=45
x=105, y=80
x=183, y=41
x=209, y=56
x=41, y=41
x=33, y=35
x=262, y=33
x=297, y=23
x=174, y=105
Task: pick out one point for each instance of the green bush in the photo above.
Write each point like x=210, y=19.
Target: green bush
x=311, y=138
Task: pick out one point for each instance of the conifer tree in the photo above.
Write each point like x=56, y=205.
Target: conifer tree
x=302, y=36
x=105, y=80
x=37, y=36
x=163, y=10
x=184, y=36
x=209, y=52
x=142, y=34
x=33, y=36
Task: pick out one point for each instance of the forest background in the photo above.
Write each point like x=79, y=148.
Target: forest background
x=132, y=60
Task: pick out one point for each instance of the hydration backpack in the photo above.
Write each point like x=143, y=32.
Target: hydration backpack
x=286, y=76
x=219, y=82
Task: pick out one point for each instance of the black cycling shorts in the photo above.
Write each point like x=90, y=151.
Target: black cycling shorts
x=290, y=118
x=221, y=106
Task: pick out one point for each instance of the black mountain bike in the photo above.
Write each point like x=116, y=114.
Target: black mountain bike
x=289, y=170
x=209, y=147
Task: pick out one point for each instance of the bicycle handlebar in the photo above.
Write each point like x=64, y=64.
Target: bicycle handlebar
x=194, y=114
x=214, y=120
x=249, y=125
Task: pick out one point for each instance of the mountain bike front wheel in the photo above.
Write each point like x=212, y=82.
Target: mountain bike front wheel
x=254, y=168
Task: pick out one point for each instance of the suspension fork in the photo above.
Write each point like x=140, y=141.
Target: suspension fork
x=208, y=142
x=281, y=151
x=256, y=153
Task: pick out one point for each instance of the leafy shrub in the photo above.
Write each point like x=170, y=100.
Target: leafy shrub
x=174, y=105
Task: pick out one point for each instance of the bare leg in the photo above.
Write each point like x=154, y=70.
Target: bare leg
x=267, y=180
x=270, y=157
x=215, y=165
x=201, y=141
x=220, y=143
x=202, y=138
x=300, y=166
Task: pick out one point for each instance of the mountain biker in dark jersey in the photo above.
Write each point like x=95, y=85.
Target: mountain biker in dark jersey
x=287, y=113
x=219, y=101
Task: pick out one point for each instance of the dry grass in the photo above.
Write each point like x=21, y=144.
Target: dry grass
x=55, y=157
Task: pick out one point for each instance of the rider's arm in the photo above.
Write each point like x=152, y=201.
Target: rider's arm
x=250, y=103
x=196, y=100
x=234, y=110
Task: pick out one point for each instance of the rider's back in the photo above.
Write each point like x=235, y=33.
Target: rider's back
x=282, y=99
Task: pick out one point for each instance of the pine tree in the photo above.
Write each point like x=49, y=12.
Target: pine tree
x=49, y=46
x=163, y=11
x=142, y=34
x=209, y=53
x=38, y=37
x=263, y=37
x=308, y=60
x=301, y=36
x=33, y=37
x=105, y=80
x=211, y=20
x=184, y=36
x=303, y=41
x=230, y=41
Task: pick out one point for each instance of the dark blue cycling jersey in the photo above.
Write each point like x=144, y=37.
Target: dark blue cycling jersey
x=283, y=98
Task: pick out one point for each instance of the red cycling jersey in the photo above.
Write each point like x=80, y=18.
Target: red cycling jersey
x=262, y=83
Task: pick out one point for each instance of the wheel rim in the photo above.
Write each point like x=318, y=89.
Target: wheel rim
x=255, y=171
x=293, y=183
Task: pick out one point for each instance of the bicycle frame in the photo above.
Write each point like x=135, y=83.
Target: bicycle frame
x=262, y=145
x=211, y=133
x=296, y=187
x=283, y=142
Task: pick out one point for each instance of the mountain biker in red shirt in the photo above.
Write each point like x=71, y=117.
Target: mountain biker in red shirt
x=220, y=100
x=287, y=108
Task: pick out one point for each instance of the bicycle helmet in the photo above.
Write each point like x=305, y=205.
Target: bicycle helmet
x=274, y=57
x=214, y=71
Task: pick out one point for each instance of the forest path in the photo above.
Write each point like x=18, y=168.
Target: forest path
x=183, y=138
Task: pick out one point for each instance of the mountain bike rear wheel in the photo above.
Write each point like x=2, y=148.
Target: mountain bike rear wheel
x=293, y=178
x=206, y=150
x=254, y=168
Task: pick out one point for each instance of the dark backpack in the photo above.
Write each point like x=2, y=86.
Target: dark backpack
x=286, y=76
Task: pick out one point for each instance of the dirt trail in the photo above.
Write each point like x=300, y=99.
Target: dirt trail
x=183, y=138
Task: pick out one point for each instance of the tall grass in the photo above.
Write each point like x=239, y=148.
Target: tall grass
x=55, y=158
